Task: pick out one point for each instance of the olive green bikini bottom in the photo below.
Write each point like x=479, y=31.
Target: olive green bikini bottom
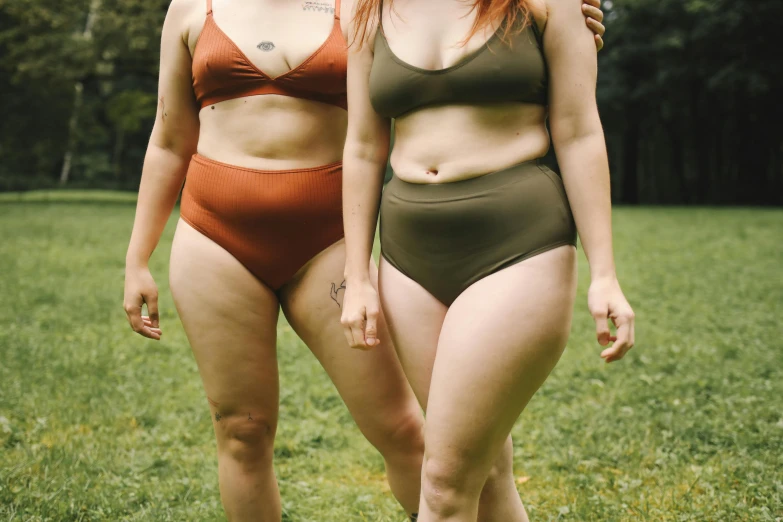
x=448, y=236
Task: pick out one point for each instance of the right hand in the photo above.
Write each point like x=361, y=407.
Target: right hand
x=361, y=309
x=140, y=289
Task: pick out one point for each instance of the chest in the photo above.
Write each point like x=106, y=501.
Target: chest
x=275, y=38
x=432, y=35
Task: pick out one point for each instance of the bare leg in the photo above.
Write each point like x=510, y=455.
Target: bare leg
x=371, y=383
x=413, y=315
x=500, y=340
x=230, y=319
x=415, y=320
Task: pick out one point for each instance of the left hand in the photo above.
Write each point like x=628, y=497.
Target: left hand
x=594, y=16
x=606, y=301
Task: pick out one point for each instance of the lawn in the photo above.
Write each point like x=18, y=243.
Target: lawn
x=97, y=423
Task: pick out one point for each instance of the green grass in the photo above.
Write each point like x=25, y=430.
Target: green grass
x=98, y=424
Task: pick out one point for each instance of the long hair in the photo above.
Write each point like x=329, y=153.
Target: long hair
x=513, y=11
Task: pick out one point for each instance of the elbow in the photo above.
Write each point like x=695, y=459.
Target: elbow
x=176, y=146
x=567, y=131
x=174, y=140
x=366, y=151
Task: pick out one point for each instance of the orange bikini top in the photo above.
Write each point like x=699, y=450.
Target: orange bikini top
x=221, y=71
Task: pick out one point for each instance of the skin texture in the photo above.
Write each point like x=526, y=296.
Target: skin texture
x=229, y=316
x=475, y=365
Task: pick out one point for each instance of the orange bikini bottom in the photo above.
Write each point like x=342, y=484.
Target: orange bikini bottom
x=271, y=221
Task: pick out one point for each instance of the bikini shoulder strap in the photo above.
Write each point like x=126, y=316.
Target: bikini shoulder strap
x=209, y=7
x=380, y=15
x=337, y=9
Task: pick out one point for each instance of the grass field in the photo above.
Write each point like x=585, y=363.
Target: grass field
x=97, y=423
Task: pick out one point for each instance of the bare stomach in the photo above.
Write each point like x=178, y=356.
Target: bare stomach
x=272, y=132
x=453, y=143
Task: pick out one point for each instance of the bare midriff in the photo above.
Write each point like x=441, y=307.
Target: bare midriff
x=272, y=132
x=455, y=142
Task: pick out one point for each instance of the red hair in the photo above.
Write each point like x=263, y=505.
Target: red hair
x=368, y=13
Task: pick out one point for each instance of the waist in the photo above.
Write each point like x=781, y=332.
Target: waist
x=272, y=132
x=458, y=143
x=469, y=186
x=203, y=165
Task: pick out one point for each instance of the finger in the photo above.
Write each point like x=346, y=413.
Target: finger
x=371, y=329
x=151, y=334
x=594, y=3
x=358, y=336
x=136, y=320
x=599, y=43
x=593, y=14
x=133, y=312
x=152, y=308
x=149, y=329
x=348, y=335
x=602, y=329
x=628, y=320
x=597, y=27
x=620, y=346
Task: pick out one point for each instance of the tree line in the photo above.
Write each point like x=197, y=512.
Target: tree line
x=689, y=93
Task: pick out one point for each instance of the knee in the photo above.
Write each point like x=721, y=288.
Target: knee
x=247, y=439
x=503, y=468
x=401, y=436
x=445, y=485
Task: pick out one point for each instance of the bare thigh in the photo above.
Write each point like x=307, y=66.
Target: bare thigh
x=230, y=319
x=499, y=342
x=372, y=382
x=415, y=319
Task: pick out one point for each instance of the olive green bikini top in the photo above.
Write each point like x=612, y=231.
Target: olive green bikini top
x=507, y=73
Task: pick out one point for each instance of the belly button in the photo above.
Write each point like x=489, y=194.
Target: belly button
x=432, y=172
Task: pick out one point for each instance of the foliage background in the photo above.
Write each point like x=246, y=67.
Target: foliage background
x=689, y=92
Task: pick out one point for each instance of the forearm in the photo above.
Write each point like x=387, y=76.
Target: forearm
x=362, y=186
x=585, y=169
x=161, y=180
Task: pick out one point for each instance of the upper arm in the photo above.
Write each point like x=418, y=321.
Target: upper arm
x=569, y=48
x=176, y=122
x=368, y=133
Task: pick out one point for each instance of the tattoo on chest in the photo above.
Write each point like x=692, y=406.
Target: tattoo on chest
x=266, y=46
x=318, y=6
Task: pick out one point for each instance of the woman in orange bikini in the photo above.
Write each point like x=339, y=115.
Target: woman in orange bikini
x=252, y=117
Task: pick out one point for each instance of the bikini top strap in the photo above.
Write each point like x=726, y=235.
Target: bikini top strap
x=336, y=9
x=209, y=7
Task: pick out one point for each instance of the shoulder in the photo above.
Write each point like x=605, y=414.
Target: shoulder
x=186, y=18
x=539, y=11
x=184, y=8
x=561, y=8
x=346, y=16
x=359, y=22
